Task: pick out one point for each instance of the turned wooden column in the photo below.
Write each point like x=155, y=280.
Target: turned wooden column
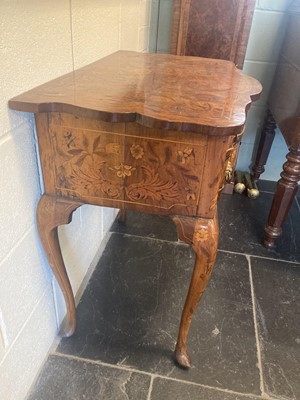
x=264, y=147
x=286, y=190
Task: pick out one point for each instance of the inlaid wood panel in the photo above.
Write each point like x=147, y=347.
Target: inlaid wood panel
x=212, y=28
x=134, y=166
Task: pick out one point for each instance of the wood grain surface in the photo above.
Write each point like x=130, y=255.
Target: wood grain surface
x=156, y=90
x=212, y=28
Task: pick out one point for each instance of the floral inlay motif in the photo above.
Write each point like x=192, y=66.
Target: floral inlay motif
x=123, y=170
x=201, y=235
x=69, y=139
x=92, y=178
x=183, y=156
x=190, y=195
x=137, y=151
x=112, y=148
x=153, y=186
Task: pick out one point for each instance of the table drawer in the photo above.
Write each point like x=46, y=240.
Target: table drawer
x=160, y=173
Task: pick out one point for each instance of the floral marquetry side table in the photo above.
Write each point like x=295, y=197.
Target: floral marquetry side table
x=145, y=132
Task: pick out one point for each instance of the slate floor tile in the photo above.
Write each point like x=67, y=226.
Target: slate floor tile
x=242, y=221
x=65, y=379
x=174, y=390
x=276, y=287
x=152, y=226
x=266, y=186
x=130, y=314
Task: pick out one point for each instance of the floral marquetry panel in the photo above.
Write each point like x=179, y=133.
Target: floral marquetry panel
x=98, y=164
x=166, y=174
x=88, y=163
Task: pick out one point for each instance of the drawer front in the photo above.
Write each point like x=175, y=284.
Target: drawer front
x=151, y=172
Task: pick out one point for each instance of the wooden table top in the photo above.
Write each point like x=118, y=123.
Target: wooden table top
x=156, y=90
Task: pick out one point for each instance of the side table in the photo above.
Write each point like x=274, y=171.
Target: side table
x=146, y=132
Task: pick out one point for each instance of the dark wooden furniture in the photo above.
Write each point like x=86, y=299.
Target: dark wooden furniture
x=214, y=29
x=284, y=111
x=145, y=132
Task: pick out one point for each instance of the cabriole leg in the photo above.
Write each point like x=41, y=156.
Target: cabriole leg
x=52, y=212
x=202, y=234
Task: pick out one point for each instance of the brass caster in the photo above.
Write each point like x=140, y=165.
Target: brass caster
x=252, y=190
x=239, y=186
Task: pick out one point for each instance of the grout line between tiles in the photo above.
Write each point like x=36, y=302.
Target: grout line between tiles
x=5, y=137
x=6, y=134
x=255, y=256
x=258, y=349
x=179, y=242
x=153, y=375
x=21, y=330
x=265, y=191
x=150, y=388
x=16, y=244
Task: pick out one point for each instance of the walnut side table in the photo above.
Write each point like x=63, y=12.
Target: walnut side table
x=145, y=132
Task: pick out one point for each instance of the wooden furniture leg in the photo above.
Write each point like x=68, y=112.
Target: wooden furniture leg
x=264, y=147
x=122, y=215
x=202, y=234
x=52, y=212
x=286, y=190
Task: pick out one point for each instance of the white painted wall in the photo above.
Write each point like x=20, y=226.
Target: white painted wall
x=41, y=40
x=267, y=33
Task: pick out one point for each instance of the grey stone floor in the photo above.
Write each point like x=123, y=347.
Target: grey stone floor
x=245, y=337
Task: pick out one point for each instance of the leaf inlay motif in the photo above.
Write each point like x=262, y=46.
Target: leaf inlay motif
x=152, y=186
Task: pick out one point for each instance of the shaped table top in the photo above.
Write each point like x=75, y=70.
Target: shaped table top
x=156, y=90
